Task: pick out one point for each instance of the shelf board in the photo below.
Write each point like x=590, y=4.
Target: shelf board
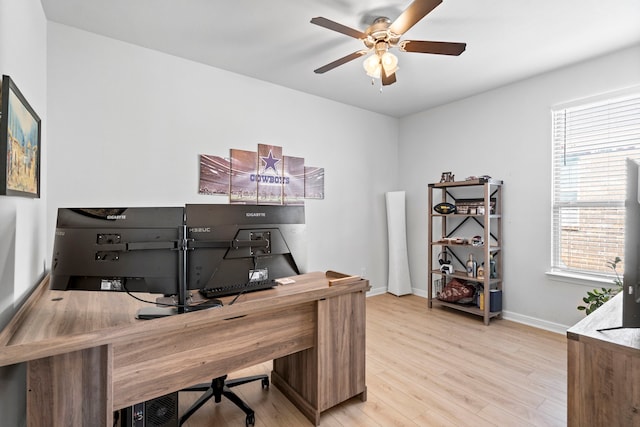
x=466, y=308
x=461, y=245
x=479, y=181
x=492, y=216
x=463, y=275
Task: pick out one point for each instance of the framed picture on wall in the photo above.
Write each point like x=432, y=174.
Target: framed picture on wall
x=20, y=144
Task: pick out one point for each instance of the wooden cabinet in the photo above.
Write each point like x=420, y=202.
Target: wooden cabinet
x=603, y=370
x=473, y=228
x=334, y=369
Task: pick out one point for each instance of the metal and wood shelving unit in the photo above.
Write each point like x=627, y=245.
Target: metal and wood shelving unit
x=484, y=219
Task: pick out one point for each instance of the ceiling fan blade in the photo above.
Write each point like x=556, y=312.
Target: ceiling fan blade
x=439, y=48
x=387, y=80
x=332, y=25
x=414, y=13
x=338, y=62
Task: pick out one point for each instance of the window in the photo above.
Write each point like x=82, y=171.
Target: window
x=590, y=144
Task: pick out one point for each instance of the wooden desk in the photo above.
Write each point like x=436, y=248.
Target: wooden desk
x=603, y=387
x=87, y=355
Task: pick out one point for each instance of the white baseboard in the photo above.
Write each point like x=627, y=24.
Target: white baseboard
x=420, y=292
x=535, y=322
x=507, y=315
x=377, y=291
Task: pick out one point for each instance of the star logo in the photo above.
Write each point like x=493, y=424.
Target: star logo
x=270, y=162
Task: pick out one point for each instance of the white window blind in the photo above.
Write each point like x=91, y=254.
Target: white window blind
x=590, y=145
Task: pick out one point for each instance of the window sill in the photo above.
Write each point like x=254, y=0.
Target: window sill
x=580, y=279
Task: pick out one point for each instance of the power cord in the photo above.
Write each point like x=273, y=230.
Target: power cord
x=164, y=304
x=255, y=267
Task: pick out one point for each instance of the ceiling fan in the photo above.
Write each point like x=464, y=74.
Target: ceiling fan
x=383, y=35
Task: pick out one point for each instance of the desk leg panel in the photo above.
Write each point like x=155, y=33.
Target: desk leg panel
x=574, y=417
x=71, y=390
x=308, y=410
x=300, y=372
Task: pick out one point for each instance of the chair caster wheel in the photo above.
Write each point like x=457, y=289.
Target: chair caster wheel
x=250, y=421
x=265, y=383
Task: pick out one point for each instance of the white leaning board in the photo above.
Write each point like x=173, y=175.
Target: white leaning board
x=399, y=279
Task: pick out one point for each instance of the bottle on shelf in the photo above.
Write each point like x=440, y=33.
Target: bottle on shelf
x=472, y=266
x=493, y=273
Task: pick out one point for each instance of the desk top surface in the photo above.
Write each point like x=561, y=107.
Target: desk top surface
x=55, y=322
x=609, y=315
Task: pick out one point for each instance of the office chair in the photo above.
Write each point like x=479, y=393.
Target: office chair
x=221, y=387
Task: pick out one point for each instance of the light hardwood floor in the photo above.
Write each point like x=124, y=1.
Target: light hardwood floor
x=428, y=368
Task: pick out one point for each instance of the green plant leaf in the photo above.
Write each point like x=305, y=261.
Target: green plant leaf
x=596, y=297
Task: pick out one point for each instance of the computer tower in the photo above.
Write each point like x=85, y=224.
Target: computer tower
x=159, y=412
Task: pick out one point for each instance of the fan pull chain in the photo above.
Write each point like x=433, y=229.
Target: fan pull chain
x=373, y=82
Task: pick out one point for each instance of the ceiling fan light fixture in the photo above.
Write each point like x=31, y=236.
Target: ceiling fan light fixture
x=374, y=63
x=389, y=62
x=372, y=66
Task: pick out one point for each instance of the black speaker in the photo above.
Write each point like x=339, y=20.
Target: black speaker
x=159, y=412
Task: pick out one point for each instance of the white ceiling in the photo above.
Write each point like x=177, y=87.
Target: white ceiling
x=507, y=40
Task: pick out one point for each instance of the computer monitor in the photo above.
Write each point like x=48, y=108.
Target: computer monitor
x=232, y=245
x=118, y=249
x=631, y=278
x=172, y=250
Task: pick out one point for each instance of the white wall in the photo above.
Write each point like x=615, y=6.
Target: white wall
x=506, y=133
x=22, y=225
x=123, y=125
x=128, y=124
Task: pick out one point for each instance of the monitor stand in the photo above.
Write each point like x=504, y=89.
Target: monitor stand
x=147, y=313
x=154, y=312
